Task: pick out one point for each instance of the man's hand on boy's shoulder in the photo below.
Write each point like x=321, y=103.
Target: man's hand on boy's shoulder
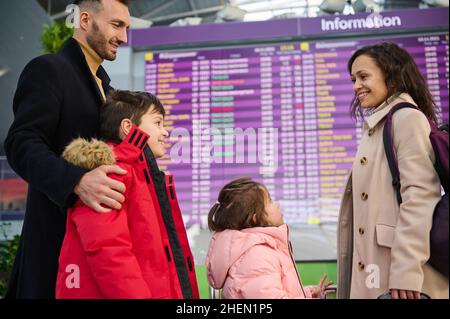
x=96, y=189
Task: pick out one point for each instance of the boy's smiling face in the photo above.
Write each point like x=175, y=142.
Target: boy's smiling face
x=152, y=123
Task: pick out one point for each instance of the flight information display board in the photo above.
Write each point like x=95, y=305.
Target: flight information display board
x=277, y=113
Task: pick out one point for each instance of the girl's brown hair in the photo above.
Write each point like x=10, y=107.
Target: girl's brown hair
x=401, y=75
x=238, y=202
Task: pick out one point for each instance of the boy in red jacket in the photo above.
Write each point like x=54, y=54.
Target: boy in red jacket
x=140, y=250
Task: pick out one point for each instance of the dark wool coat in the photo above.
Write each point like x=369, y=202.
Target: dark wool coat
x=57, y=100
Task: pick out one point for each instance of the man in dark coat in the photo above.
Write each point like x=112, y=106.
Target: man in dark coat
x=57, y=99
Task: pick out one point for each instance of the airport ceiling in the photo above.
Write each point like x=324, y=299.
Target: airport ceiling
x=165, y=12
x=160, y=12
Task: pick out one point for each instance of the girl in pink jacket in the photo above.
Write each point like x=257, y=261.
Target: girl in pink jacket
x=250, y=255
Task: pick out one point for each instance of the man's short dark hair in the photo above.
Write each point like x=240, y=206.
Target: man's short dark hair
x=121, y=104
x=95, y=3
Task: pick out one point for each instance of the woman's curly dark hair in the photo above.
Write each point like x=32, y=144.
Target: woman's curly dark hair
x=401, y=74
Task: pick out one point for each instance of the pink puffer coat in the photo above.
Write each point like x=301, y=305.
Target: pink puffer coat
x=254, y=263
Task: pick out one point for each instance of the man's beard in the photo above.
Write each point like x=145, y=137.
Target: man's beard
x=98, y=42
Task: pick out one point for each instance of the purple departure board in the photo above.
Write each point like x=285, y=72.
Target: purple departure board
x=278, y=113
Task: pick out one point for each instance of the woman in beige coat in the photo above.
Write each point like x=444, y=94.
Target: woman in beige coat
x=383, y=247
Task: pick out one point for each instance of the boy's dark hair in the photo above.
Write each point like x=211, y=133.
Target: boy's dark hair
x=238, y=202
x=401, y=75
x=121, y=105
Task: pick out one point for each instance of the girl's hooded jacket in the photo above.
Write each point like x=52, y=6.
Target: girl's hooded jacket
x=139, y=251
x=254, y=263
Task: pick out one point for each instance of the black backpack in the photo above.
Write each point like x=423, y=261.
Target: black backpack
x=439, y=232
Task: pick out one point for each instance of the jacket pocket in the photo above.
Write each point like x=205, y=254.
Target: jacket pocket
x=385, y=235
x=189, y=263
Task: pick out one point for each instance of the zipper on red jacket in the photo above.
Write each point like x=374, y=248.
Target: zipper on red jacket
x=293, y=261
x=172, y=195
x=159, y=189
x=147, y=178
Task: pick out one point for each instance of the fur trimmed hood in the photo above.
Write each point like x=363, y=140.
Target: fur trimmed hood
x=89, y=154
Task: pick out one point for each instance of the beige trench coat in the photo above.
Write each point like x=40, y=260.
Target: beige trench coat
x=382, y=246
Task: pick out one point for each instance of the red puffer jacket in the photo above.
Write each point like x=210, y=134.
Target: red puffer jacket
x=139, y=251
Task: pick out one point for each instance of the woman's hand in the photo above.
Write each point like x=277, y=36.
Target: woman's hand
x=404, y=294
x=320, y=291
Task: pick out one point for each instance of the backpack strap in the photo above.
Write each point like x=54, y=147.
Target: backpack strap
x=389, y=147
x=437, y=138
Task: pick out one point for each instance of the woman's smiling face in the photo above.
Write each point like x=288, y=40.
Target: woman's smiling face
x=369, y=83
